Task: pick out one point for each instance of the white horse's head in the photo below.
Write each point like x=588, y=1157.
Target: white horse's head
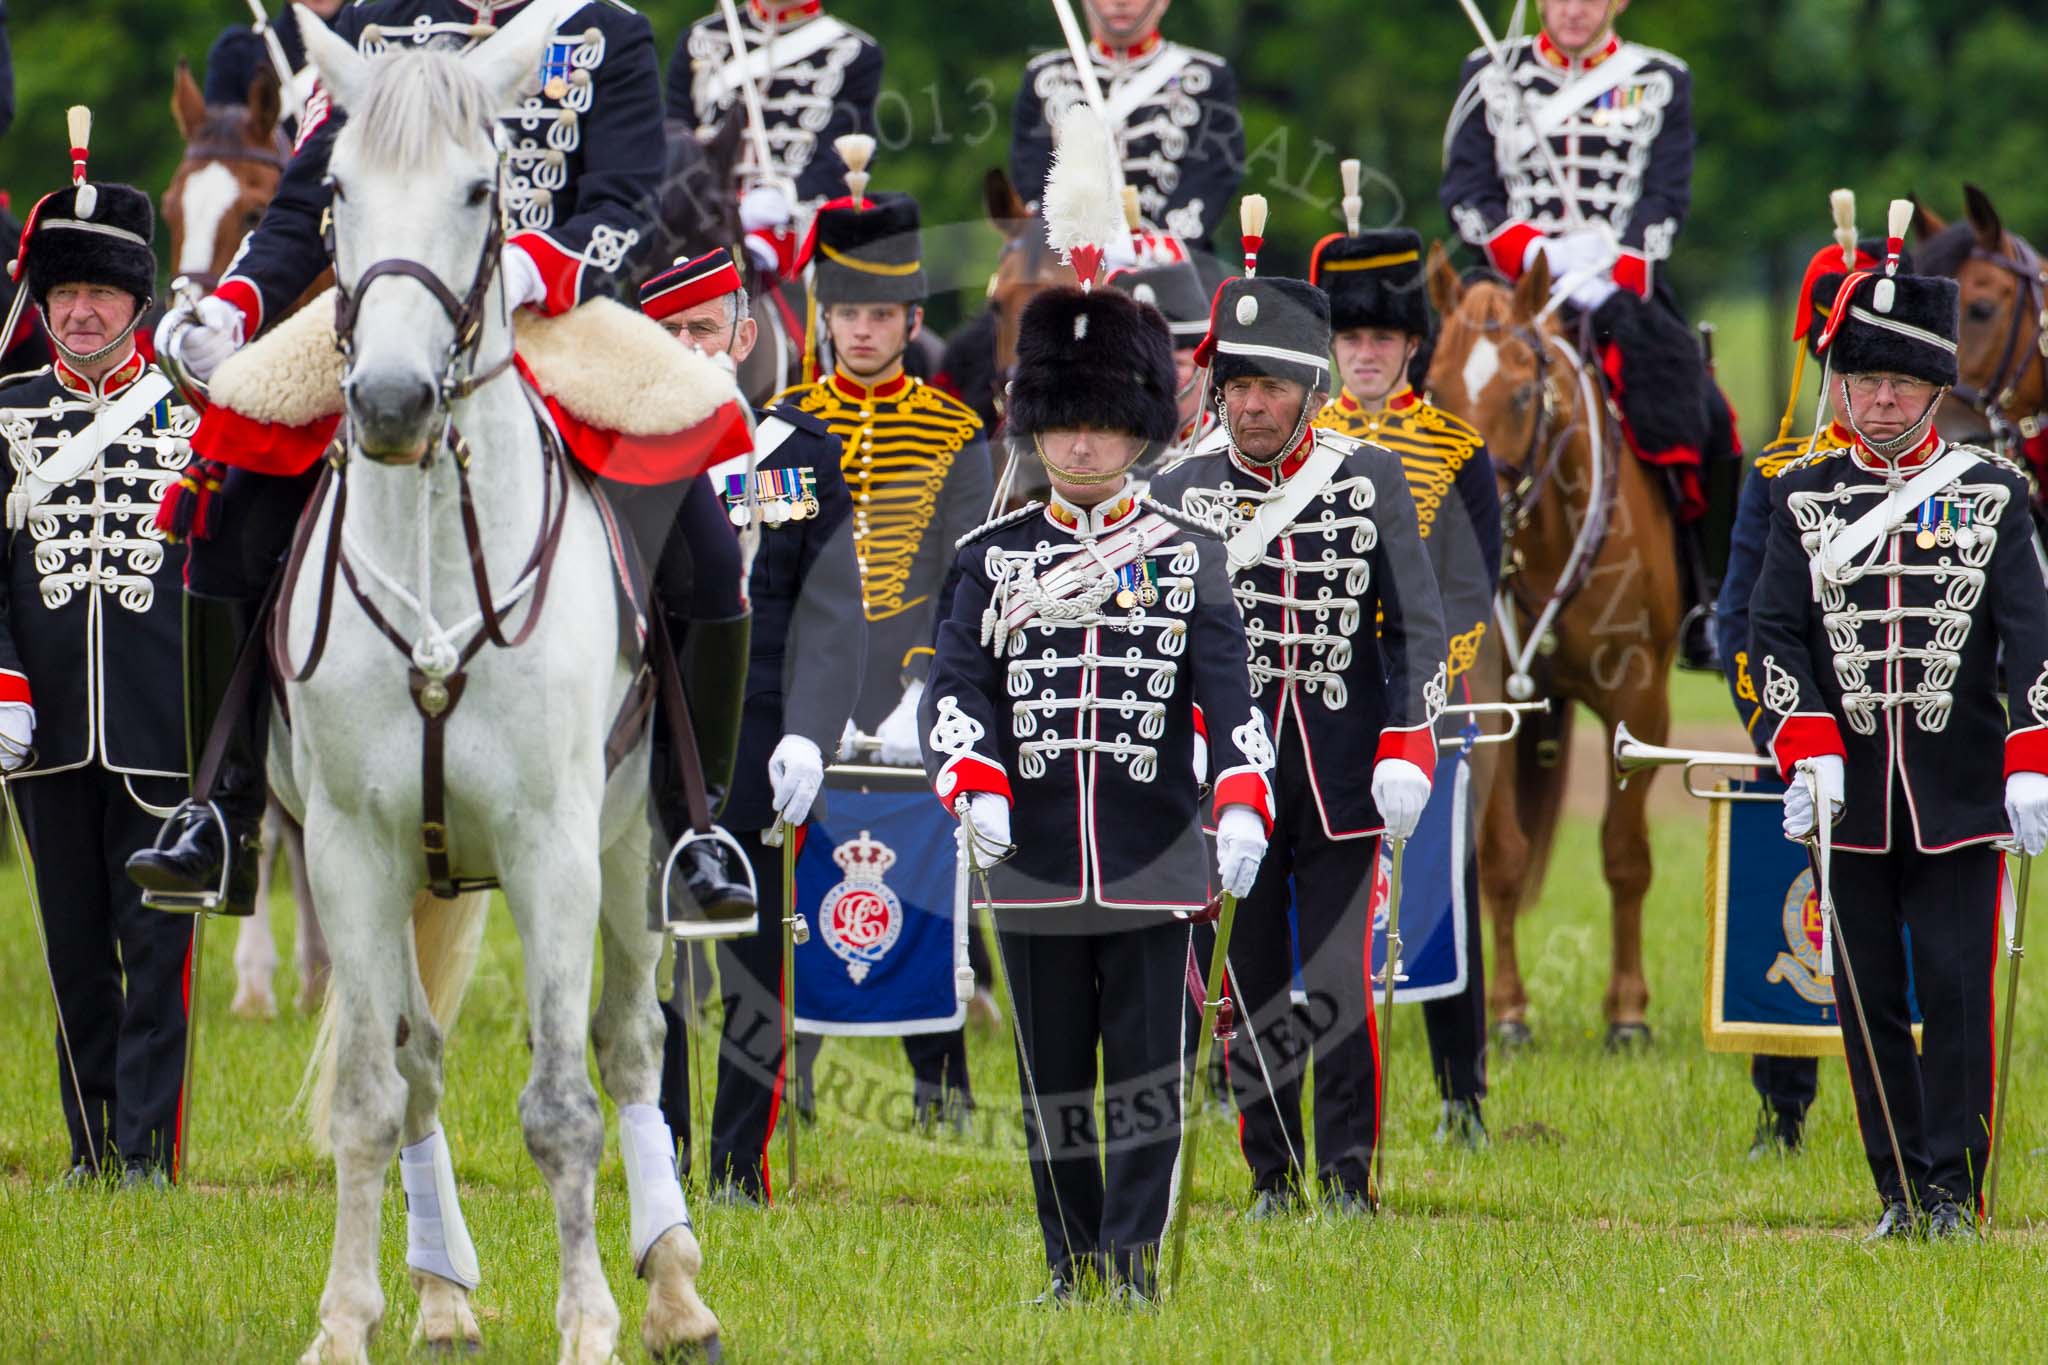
x=415, y=175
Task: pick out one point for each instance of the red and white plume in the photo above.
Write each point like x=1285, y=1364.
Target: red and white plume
x=1083, y=208
x=78, y=122
x=1251, y=222
x=1896, y=223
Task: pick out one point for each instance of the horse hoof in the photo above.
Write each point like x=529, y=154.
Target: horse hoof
x=677, y=1325
x=253, y=1002
x=1628, y=1038
x=1512, y=1035
x=709, y=1352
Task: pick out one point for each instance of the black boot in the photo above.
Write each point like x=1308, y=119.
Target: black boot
x=712, y=656
x=1696, y=644
x=183, y=871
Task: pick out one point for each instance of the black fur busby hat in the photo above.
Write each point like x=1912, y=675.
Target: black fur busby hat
x=1824, y=276
x=1374, y=279
x=92, y=234
x=1895, y=324
x=1176, y=291
x=868, y=250
x=1268, y=325
x=1093, y=359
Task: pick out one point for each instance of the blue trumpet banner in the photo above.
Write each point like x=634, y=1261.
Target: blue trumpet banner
x=1433, y=949
x=878, y=881
x=1764, y=990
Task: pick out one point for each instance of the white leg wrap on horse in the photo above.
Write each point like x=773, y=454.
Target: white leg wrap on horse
x=436, y=1238
x=656, y=1195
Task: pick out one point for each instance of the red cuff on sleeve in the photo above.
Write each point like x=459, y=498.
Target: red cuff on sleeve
x=964, y=773
x=561, y=271
x=14, y=687
x=1509, y=245
x=1802, y=736
x=2026, y=751
x=1416, y=744
x=247, y=301
x=1244, y=787
x=1632, y=272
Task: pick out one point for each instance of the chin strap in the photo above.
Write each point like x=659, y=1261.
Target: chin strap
x=1906, y=441
x=77, y=361
x=1087, y=480
x=1287, y=447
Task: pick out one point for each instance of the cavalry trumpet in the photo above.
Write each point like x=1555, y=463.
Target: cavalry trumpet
x=1632, y=756
x=1513, y=710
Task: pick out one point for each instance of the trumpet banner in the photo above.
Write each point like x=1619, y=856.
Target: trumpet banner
x=1434, y=957
x=1764, y=989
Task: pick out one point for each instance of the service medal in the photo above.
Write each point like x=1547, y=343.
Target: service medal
x=1925, y=540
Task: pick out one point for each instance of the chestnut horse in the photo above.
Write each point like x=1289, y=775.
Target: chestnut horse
x=1588, y=610
x=2001, y=365
x=234, y=157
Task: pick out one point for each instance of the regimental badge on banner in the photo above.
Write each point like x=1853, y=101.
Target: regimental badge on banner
x=782, y=495
x=861, y=918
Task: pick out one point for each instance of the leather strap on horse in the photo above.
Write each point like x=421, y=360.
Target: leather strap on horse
x=436, y=701
x=682, y=733
x=278, y=622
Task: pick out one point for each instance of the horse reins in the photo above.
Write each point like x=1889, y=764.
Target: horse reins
x=1992, y=401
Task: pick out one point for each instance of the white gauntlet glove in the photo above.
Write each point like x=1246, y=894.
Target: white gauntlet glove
x=17, y=733
x=1400, y=789
x=205, y=334
x=1240, y=845
x=765, y=206
x=523, y=285
x=1799, y=797
x=989, y=816
x=795, y=772
x=2026, y=806
x=898, y=730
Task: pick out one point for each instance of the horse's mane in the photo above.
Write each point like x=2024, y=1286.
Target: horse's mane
x=1945, y=252
x=413, y=103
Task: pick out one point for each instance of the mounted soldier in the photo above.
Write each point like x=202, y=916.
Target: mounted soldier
x=1112, y=617
x=1897, y=571
x=814, y=78
x=1173, y=110
x=585, y=155
x=1379, y=319
x=1578, y=146
x=92, y=718
x=918, y=470
x=1323, y=541
x=243, y=51
x=808, y=638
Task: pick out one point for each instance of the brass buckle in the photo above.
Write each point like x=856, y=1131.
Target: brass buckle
x=434, y=838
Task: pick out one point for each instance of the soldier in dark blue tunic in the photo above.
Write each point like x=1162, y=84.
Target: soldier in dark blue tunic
x=240, y=53
x=586, y=155
x=808, y=639
x=92, y=719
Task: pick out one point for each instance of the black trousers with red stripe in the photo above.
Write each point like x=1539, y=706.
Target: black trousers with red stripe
x=119, y=967
x=1331, y=889
x=1941, y=1098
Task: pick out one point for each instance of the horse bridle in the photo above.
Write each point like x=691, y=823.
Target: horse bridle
x=1992, y=401
x=1529, y=476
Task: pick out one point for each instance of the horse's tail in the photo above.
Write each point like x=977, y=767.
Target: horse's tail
x=446, y=937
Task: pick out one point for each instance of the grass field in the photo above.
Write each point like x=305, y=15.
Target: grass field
x=1615, y=1217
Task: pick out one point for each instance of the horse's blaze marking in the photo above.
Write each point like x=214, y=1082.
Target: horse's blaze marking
x=1481, y=365
x=210, y=192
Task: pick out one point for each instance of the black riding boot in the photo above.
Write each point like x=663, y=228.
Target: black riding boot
x=185, y=864
x=1696, y=595
x=713, y=663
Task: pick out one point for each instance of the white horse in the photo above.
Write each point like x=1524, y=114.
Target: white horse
x=416, y=182
x=284, y=848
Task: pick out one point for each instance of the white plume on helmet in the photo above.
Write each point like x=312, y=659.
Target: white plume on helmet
x=1083, y=209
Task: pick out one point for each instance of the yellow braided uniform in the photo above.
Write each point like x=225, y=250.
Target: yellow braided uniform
x=918, y=471
x=1444, y=458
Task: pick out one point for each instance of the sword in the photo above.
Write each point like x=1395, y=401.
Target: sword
x=1391, y=970
x=794, y=932
x=1213, y=999
x=757, y=123
x=35, y=910
x=1831, y=928
x=1499, y=57
x=2015, y=949
x=1091, y=89
x=275, y=48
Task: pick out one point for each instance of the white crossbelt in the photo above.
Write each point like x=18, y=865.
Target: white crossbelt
x=71, y=459
x=1835, y=553
x=1126, y=99
x=779, y=51
x=1247, y=545
x=1548, y=114
x=1120, y=547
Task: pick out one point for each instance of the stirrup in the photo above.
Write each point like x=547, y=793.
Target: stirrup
x=199, y=902
x=684, y=930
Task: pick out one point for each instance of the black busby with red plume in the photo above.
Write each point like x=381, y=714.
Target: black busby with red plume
x=1096, y=359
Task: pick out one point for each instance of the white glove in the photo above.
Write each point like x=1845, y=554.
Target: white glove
x=1799, y=796
x=1240, y=844
x=898, y=730
x=2026, y=806
x=989, y=814
x=795, y=772
x=1586, y=249
x=1590, y=294
x=214, y=333
x=1400, y=789
x=523, y=284
x=764, y=206
x=17, y=732
x=762, y=254
x=846, y=738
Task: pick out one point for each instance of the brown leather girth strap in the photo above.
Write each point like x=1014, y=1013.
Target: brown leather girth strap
x=278, y=621
x=682, y=734
x=436, y=701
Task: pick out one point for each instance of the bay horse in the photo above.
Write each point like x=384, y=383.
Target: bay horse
x=445, y=485
x=1588, y=610
x=234, y=159
x=2002, y=369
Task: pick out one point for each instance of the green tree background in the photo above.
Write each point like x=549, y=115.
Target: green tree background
x=1791, y=98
